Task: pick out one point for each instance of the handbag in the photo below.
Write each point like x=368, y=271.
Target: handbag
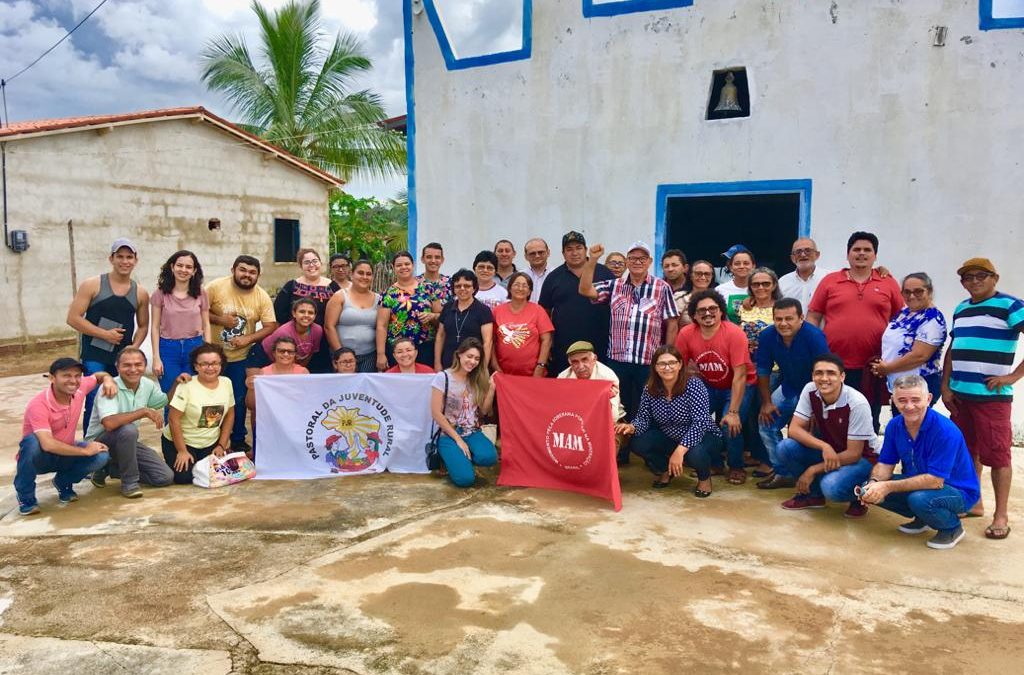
x=434, y=461
x=212, y=471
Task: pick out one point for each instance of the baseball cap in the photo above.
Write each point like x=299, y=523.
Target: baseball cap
x=639, y=245
x=65, y=362
x=736, y=248
x=123, y=243
x=977, y=264
x=573, y=237
x=578, y=347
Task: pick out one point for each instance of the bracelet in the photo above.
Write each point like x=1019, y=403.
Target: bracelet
x=541, y=365
x=732, y=412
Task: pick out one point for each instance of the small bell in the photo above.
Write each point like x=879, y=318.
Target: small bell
x=728, y=101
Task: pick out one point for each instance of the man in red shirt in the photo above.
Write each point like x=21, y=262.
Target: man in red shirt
x=48, y=444
x=718, y=350
x=856, y=304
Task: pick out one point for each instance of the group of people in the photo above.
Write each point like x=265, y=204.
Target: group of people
x=707, y=375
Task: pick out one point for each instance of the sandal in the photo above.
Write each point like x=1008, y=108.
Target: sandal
x=737, y=477
x=702, y=494
x=993, y=532
x=762, y=474
x=658, y=484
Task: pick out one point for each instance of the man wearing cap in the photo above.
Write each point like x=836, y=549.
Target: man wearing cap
x=105, y=310
x=803, y=281
x=643, y=317
x=574, y=317
x=856, y=304
x=537, y=253
x=114, y=423
x=740, y=263
x=978, y=378
x=48, y=435
x=583, y=365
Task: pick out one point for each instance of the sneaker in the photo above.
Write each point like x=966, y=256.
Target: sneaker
x=856, y=510
x=65, y=494
x=799, y=502
x=240, y=446
x=99, y=478
x=28, y=508
x=947, y=538
x=132, y=493
x=916, y=526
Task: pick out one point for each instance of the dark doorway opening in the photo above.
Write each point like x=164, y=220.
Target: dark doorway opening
x=706, y=226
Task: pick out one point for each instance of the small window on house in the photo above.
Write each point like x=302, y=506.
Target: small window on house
x=730, y=94
x=286, y=239
x=1001, y=14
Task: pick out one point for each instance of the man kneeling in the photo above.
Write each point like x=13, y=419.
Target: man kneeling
x=115, y=424
x=938, y=481
x=830, y=462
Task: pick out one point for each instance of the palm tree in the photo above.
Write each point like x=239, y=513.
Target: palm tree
x=298, y=96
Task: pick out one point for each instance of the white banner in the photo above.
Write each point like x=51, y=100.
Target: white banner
x=316, y=426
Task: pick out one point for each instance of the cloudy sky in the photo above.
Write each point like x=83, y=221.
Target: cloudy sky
x=143, y=54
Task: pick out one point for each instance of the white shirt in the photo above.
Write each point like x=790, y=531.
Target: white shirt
x=493, y=296
x=792, y=286
x=601, y=372
x=538, y=282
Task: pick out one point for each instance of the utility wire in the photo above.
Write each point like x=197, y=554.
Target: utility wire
x=56, y=44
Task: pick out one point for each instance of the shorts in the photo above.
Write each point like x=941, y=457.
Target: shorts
x=987, y=430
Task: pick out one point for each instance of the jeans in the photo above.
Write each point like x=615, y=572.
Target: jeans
x=771, y=435
x=174, y=354
x=33, y=460
x=655, y=448
x=92, y=367
x=171, y=453
x=460, y=467
x=835, y=486
x=235, y=371
x=132, y=461
x=720, y=400
x=938, y=509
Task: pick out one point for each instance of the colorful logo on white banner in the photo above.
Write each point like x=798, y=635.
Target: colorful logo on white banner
x=567, y=441
x=351, y=433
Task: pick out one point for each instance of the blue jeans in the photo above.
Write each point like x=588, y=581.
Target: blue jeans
x=174, y=355
x=720, y=400
x=938, y=509
x=92, y=367
x=835, y=486
x=460, y=468
x=655, y=448
x=235, y=371
x=771, y=435
x=33, y=460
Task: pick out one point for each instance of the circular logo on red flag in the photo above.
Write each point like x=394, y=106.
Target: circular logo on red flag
x=567, y=441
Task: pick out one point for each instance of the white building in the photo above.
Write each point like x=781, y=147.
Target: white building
x=159, y=178
x=901, y=118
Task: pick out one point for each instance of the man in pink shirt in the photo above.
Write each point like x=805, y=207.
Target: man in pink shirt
x=856, y=304
x=48, y=444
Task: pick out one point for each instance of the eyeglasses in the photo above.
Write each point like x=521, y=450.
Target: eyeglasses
x=914, y=292
x=637, y=259
x=208, y=364
x=532, y=253
x=308, y=263
x=666, y=365
x=701, y=274
x=708, y=310
x=975, y=276
x=340, y=266
x=803, y=251
x=761, y=284
x=284, y=351
x=466, y=286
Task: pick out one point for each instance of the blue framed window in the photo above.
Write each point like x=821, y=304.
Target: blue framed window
x=592, y=8
x=458, y=43
x=994, y=14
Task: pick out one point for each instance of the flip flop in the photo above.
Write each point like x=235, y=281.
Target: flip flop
x=762, y=474
x=997, y=532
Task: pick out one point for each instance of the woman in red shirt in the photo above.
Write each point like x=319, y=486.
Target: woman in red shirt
x=522, y=332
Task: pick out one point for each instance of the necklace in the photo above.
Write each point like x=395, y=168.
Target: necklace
x=459, y=324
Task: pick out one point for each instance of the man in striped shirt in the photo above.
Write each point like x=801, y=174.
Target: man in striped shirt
x=643, y=317
x=978, y=378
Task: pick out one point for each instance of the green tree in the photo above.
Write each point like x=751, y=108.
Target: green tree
x=298, y=96
x=366, y=228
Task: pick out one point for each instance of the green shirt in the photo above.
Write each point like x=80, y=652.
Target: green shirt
x=148, y=395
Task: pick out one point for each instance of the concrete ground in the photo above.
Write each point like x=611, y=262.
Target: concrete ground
x=405, y=574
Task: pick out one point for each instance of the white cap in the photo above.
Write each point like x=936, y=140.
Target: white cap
x=639, y=245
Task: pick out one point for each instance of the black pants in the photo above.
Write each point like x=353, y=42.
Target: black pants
x=170, y=454
x=855, y=379
x=655, y=448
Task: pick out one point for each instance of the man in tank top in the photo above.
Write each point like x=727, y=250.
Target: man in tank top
x=105, y=312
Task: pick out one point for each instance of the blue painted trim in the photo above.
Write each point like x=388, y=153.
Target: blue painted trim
x=802, y=186
x=988, y=22
x=453, y=62
x=410, y=124
x=592, y=9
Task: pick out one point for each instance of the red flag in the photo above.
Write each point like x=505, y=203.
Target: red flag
x=557, y=434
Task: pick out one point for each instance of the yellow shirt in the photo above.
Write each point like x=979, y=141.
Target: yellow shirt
x=249, y=306
x=203, y=411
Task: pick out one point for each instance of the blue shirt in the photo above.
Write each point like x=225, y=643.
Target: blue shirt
x=939, y=450
x=685, y=419
x=795, y=361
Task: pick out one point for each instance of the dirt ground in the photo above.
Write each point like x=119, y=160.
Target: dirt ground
x=406, y=574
